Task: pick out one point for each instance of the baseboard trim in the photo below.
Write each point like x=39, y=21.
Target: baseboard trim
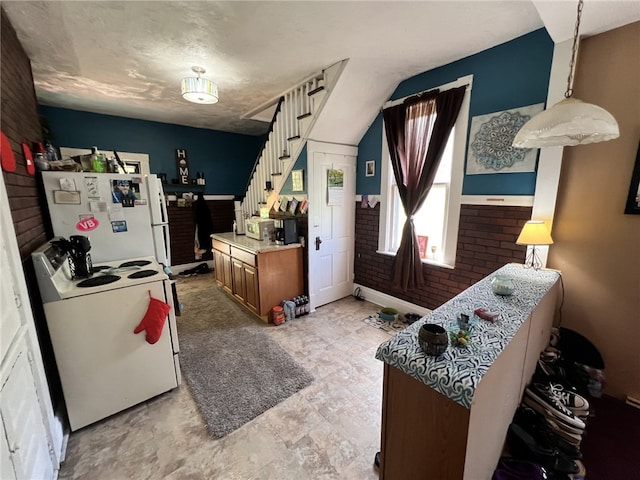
x=386, y=300
x=176, y=269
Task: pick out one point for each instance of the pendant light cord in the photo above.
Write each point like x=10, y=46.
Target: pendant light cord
x=574, y=52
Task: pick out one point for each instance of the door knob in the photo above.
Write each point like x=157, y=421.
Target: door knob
x=318, y=242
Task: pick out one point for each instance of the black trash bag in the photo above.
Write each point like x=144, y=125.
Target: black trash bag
x=578, y=349
x=581, y=364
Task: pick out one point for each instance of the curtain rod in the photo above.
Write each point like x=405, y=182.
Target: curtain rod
x=466, y=80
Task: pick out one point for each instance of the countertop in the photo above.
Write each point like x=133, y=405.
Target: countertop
x=251, y=245
x=458, y=371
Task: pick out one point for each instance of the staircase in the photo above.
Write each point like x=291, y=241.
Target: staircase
x=292, y=122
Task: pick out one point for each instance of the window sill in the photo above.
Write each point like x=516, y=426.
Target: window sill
x=427, y=261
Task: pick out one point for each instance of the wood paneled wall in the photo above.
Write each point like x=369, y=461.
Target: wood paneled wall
x=182, y=228
x=20, y=123
x=486, y=241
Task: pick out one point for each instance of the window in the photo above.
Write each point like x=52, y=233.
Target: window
x=438, y=217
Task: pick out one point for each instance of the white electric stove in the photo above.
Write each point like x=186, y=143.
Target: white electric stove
x=104, y=367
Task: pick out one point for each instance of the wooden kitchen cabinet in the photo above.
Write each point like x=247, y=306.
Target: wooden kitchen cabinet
x=245, y=284
x=222, y=266
x=258, y=275
x=237, y=276
x=250, y=275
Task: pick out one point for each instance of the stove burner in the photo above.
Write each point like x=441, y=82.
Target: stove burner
x=143, y=274
x=99, y=268
x=135, y=263
x=97, y=281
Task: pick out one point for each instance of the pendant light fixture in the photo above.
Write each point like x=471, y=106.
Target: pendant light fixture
x=570, y=121
x=198, y=89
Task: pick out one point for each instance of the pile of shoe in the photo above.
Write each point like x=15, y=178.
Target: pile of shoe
x=548, y=426
x=202, y=268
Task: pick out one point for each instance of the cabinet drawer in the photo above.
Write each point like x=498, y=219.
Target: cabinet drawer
x=221, y=246
x=246, y=257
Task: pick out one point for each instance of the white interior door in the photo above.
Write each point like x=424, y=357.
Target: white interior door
x=331, y=222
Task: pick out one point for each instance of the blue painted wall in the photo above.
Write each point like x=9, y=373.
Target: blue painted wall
x=225, y=158
x=370, y=148
x=301, y=164
x=510, y=75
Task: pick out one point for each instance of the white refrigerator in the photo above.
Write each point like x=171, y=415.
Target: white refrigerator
x=124, y=215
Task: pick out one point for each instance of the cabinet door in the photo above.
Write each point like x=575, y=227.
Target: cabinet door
x=250, y=275
x=24, y=424
x=9, y=314
x=6, y=464
x=227, y=282
x=218, y=266
x=237, y=275
x=223, y=269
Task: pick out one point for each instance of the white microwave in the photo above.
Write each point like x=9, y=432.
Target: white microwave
x=255, y=226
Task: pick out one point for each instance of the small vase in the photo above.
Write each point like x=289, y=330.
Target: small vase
x=502, y=285
x=433, y=339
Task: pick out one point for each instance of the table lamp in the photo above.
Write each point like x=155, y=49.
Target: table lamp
x=534, y=233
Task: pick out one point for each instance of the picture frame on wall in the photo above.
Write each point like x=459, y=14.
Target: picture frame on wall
x=491, y=137
x=633, y=198
x=297, y=180
x=370, y=169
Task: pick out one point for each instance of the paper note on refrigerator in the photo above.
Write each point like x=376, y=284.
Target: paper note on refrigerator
x=116, y=213
x=98, y=206
x=68, y=184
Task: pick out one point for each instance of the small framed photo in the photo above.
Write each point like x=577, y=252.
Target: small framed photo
x=293, y=205
x=370, y=170
x=297, y=180
x=423, y=240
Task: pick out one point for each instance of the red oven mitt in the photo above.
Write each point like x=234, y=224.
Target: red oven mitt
x=153, y=320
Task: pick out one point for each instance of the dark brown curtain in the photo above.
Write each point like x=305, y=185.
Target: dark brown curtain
x=417, y=133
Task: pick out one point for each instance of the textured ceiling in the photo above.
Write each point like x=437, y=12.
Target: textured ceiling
x=127, y=58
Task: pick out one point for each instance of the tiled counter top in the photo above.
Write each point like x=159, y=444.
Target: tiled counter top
x=457, y=373
x=249, y=244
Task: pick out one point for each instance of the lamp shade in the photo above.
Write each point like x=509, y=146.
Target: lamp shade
x=569, y=122
x=534, y=232
x=199, y=90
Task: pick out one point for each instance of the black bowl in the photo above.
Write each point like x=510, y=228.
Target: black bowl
x=411, y=317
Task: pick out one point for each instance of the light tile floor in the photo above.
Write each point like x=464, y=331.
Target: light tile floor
x=329, y=430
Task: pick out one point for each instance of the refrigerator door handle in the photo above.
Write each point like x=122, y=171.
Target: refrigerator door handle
x=157, y=204
x=162, y=244
x=163, y=203
x=167, y=243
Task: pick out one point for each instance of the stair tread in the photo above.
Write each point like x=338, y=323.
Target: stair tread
x=295, y=137
x=284, y=156
x=304, y=115
x=315, y=90
x=276, y=174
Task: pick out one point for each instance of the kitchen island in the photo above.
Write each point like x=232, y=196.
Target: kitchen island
x=447, y=416
x=257, y=274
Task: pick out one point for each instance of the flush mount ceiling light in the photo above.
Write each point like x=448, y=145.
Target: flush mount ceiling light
x=570, y=121
x=198, y=89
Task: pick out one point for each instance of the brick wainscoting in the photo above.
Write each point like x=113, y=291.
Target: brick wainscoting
x=20, y=122
x=182, y=228
x=486, y=241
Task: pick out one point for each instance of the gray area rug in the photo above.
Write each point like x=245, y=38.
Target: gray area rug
x=233, y=368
